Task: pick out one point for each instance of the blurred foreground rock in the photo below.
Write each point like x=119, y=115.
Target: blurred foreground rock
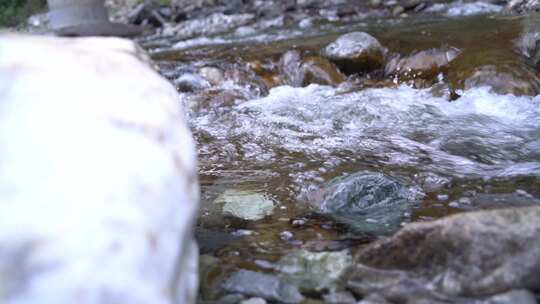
x=98, y=186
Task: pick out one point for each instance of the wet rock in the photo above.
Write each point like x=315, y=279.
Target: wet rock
x=367, y=202
x=214, y=24
x=474, y=254
x=211, y=241
x=314, y=271
x=528, y=43
x=149, y=13
x=88, y=213
x=245, y=31
x=38, y=23
x=254, y=301
x=341, y=297
x=522, y=6
x=510, y=297
x=425, y=64
x=425, y=297
x=319, y=70
x=473, y=8
x=246, y=205
x=289, y=66
x=211, y=274
x=190, y=82
x=355, y=52
x=213, y=75
x=461, y=9
x=524, y=83
x=231, y=299
x=398, y=10
x=501, y=200
x=263, y=285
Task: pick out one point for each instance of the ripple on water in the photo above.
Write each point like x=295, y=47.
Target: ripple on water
x=480, y=135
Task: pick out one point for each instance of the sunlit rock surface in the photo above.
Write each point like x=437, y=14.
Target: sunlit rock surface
x=98, y=186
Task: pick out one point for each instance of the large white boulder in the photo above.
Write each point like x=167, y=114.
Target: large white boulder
x=98, y=181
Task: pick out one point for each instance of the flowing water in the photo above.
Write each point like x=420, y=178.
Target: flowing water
x=478, y=151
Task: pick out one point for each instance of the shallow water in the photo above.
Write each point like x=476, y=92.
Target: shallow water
x=479, y=151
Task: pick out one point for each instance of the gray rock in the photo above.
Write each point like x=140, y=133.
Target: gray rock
x=213, y=75
x=368, y=202
x=517, y=82
x=529, y=42
x=254, y=301
x=246, y=205
x=342, y=297
x=245, y=31
x=234, y=298
x=214, y=24
x=528, y=46
x=191, y=82
x=314, y=271
x=289, y=66
x=355, y=52
x=211, y=241
x=501, y=200
x=262, y=285
x=474, y=8
x=522, y=6
x=511, y=297
x=472, y=254
x=400, y=295
x=374, y=299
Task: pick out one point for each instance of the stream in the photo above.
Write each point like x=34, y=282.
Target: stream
x=462, y=137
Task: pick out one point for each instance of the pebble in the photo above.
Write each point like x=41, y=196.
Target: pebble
x=254, y=301
x=442, y=197
x=286, y=235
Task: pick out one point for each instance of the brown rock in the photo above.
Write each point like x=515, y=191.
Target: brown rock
x=425, y=64
x=316, y=69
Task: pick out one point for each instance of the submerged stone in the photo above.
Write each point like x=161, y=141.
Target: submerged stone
x=262, y=285
x=476, y=254
x=367, y=202
x=314, y=271
x=246, y=205
x=355, y=52
x=319, y=70
x=502, y=82
x=425, y=64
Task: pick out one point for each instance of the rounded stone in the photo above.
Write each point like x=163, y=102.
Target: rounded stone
x=356, y=52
